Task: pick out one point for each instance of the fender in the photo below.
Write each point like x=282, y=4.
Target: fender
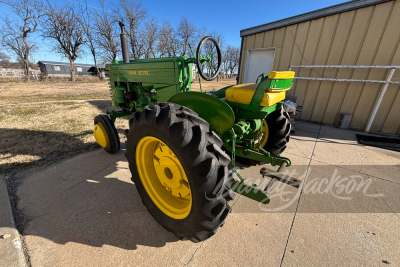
x=216, y=112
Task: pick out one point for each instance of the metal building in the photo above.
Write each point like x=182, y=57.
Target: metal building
x=52, y=68
x=361, y=32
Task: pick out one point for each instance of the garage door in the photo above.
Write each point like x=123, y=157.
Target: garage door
x=258, y=61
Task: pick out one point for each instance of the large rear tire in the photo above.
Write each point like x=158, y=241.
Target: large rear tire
x=193, y=162
x=279, y=131
x=277, y=134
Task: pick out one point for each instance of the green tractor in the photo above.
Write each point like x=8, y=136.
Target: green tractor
x=182, y=145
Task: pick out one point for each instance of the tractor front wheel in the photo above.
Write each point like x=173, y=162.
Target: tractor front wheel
x=179, y=170
x=106, y=134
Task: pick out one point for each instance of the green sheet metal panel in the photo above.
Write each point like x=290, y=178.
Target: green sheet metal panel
x=145, y=71
x=168, y=76
x=216, y=112
x=165, y=91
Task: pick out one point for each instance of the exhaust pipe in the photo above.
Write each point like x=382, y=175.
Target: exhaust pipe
x=124, y=43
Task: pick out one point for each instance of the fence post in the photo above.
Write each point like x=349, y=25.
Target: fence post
x=379, y=100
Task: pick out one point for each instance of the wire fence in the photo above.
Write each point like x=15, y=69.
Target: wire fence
x=19, y=74
x=386, y=82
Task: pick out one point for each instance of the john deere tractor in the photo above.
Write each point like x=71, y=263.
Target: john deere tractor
x=182, y=145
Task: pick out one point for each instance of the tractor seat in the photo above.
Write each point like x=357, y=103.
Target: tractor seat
x=243, y=93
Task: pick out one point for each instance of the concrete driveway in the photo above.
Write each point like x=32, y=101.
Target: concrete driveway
x=87, y=212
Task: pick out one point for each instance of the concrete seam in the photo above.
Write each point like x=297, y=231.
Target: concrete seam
x=236, y=201
x=298, y=201
x=340, y=166
x=387, y=204
x=194, y=254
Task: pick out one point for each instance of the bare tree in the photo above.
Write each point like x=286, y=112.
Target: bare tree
x=106, y=33
x=234, y=59
x=4, y=57
x=134, y=14
x=186, y=31
x=150, y=37
x=175, y=46
x=15, y=33
x=201, y=33
x=61, y=25
x=219, y=37
x=225, y=60
x=85, y=21
x=168, y=42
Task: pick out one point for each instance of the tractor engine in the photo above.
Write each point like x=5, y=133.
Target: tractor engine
x=135, y=84
x=143, y=82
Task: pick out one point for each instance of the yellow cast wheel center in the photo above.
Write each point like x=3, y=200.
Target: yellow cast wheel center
x=101, y=136
x=163, y=177
x=265, y=133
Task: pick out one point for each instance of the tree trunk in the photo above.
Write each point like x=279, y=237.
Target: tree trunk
x=72, y=68
x=26, y=59
x=185, y=48
x=99, y=74
x=26, y=66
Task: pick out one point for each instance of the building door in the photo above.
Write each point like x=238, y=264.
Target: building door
x=258, y=61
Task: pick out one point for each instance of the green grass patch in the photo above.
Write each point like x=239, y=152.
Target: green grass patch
x=73, y=107
x=65, y=103
x=25, y=111
x=56, y=97
x=70, y=121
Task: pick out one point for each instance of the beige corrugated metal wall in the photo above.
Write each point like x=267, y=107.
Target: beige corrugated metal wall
x=366, y=36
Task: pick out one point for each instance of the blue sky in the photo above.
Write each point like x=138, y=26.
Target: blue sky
x=227, y=17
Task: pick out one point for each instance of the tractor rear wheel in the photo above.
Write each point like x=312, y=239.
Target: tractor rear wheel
x=275, y=133
x=179, y=170
x=278, y=130
x=106, y=134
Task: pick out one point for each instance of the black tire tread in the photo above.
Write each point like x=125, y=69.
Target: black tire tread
x=279, y=131
x=201, y=150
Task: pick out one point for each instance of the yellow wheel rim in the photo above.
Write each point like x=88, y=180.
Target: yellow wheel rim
x=163, y=177
x=265, y=133
x=101, y=136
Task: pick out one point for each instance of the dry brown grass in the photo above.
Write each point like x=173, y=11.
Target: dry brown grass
x=10, y=79
x=213, y=85
x=49, y=79
x=83, y=79
x=37, y=133
x=15, y=93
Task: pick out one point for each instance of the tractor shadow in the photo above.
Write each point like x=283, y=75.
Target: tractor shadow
x=22, y=147
x=90, y=203
x=87, y=199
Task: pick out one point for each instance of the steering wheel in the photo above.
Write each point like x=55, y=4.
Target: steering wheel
x=208, y=66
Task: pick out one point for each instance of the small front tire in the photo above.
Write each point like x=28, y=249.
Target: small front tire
x=106, y=134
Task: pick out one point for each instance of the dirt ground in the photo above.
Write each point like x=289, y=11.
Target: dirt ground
x=44, y=122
